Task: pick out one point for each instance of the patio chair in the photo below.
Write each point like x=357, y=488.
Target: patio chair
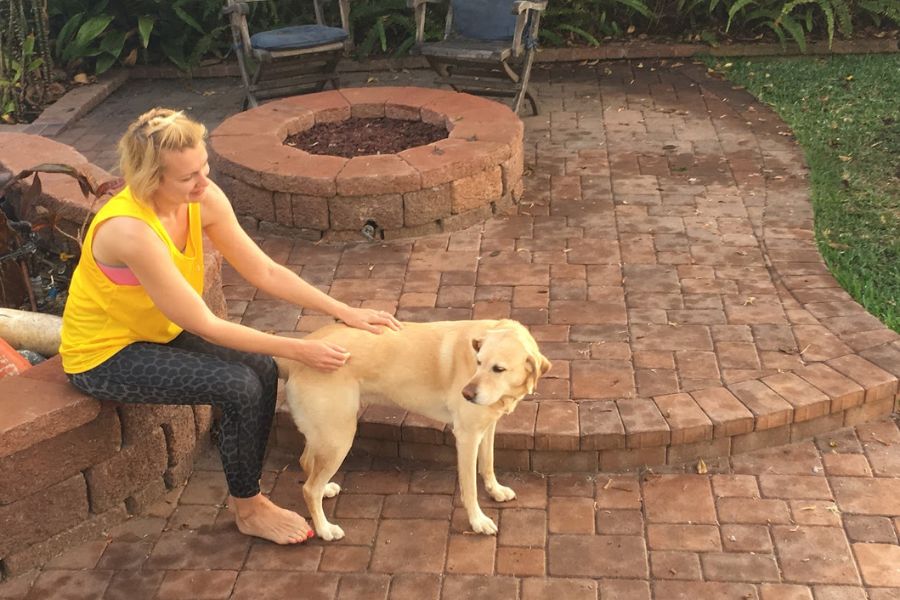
x=288, y=60
x=488, y=46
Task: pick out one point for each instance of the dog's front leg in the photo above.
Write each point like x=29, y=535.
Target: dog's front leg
x=500, y=493
x=466, y=456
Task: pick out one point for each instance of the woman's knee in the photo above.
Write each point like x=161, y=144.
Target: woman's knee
x=240, y=387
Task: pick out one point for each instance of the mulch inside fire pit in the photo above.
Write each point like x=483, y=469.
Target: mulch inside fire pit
x=361, y=137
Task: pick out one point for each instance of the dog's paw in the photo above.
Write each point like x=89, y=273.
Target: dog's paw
x=330, y=532
x=332, y=489
x=501, y=493
x=483, y=524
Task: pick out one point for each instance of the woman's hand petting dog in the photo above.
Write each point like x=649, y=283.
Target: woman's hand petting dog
x=370, y=319
x=320, y=354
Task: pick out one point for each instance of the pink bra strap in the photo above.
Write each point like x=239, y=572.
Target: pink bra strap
x=118, y=275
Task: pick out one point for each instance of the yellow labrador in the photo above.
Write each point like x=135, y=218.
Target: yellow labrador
x=466, y=373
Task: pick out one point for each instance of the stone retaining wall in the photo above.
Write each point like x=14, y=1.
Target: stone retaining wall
x=71, y=466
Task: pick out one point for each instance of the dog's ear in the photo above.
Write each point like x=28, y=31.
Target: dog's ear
x=476, y=343
x=539, y=365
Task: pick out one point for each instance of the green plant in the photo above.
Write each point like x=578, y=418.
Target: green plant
x=17, y=74
x=566, y=23
x=799, y=18
x=385, y=25
x=25, y=62
x=879, y=11
x=93, y=36
x=187, y=32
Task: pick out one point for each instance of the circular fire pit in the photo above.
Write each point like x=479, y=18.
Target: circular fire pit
x=443, y=186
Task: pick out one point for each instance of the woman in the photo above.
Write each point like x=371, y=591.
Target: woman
x=135, y=328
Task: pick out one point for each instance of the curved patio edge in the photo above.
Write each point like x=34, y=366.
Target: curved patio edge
x=844, y=371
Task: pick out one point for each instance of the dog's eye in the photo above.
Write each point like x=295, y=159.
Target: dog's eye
x=498, y=369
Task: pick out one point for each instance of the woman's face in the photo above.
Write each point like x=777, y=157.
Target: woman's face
x=184, y=175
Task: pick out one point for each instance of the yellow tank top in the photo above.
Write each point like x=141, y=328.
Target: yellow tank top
x=102, y=317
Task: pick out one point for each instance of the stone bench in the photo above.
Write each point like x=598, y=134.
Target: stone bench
x=71, y=466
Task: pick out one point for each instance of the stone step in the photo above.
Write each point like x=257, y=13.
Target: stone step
x=556, y=435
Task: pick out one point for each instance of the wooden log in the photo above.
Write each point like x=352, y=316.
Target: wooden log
x=32, y=331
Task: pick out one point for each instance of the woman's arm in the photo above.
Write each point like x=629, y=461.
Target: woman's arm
x=133, y=243
x=242, y=253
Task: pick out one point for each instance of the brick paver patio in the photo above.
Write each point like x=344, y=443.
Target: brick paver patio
x=663, y=257
x=813, y=520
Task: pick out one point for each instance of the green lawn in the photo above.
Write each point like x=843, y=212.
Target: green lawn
x=845, y=112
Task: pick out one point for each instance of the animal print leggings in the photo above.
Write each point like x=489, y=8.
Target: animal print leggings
x=190, y=370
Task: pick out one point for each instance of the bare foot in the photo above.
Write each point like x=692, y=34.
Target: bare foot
x=260, y=517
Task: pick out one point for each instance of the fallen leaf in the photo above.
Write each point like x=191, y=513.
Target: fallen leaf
x=701, y=467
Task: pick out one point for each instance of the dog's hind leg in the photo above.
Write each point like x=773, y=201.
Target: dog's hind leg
x=499, y=493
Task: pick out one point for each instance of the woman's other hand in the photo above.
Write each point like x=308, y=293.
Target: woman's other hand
x=369, y=319
x=321, y=355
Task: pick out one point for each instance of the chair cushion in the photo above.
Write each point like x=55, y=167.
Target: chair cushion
x=296, y=37
x=484, y=19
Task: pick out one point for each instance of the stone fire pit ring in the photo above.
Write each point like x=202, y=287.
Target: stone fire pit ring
x=444, y=186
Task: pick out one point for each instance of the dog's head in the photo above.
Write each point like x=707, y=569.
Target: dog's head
x=509, y=364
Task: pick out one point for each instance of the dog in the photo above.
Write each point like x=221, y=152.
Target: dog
x=466, y=373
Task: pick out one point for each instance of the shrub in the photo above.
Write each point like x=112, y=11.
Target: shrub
x=25, y=62
x=94, y=35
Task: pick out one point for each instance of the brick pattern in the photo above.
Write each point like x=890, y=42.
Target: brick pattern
x=654, y=199
x=640, y=243
x=818, y=519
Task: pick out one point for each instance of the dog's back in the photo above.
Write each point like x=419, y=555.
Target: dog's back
x=407, y=367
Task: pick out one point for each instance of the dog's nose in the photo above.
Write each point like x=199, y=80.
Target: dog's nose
x=469, y=392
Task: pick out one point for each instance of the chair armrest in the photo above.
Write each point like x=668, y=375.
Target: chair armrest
x=522, y=5
x=343, y=6
x=419, y=6
x=528, y=15
x=240, y=34
x=238, y=8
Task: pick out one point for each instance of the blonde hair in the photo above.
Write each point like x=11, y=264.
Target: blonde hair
x=140, y=149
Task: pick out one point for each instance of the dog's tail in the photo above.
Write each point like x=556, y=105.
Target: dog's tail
x=284, y=368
